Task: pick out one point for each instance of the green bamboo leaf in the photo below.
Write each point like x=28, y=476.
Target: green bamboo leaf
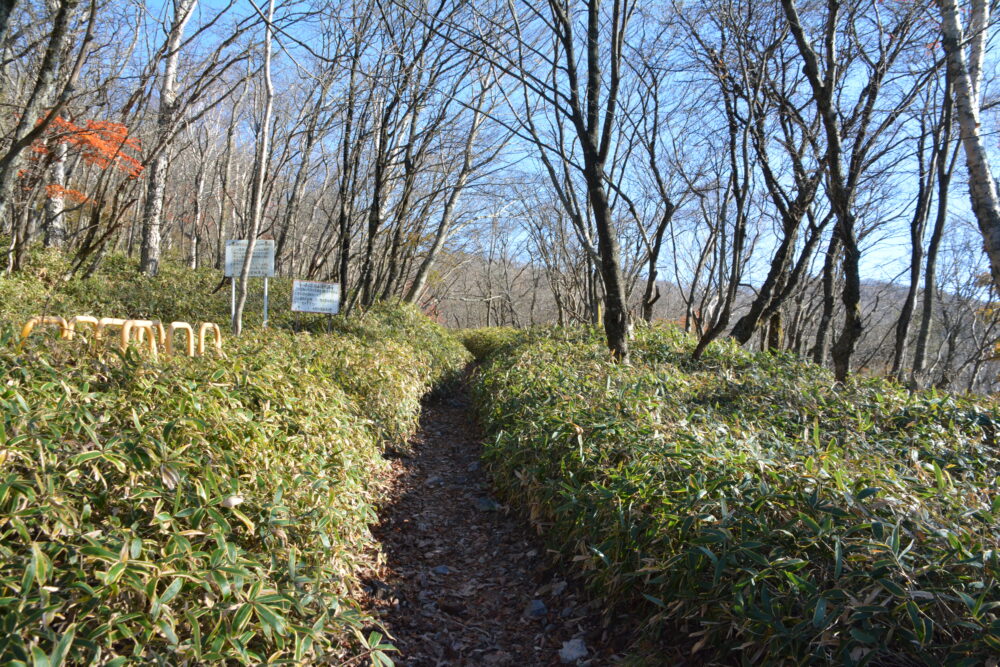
x=196, y=639
x=819, y=613
x=135, y=549
x=114, y=573
x=86, y=456
x=270, y=618
x=167, y=630
x=655, y=600
x=62, y=647
x=41, y=564
x=809, y=521
x=242, y=616
x=867, y=493
x=969, y=601
x=172, y=590
x=39, y=658
x=838, y=559
x=863, y=636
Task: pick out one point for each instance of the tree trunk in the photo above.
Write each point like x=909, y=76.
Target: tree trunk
x=616, y=322
x=966, y=75
x=652, y=293
x=775, y=333
x=843, y=348
x=55, y=209
x=257, y=193
x=918, y=225
x=744, y=328
x=227, y=163
x=840, y=189
x=821, y=349
x=444, y=226
x=301, y=177
x=152, y=216
x=930, y=276
x=32, y=123
x=199, y=189
x=375, y=208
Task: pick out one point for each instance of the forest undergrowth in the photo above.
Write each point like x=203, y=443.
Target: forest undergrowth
x=194, y=510
x=743, y=507
x=746, y=505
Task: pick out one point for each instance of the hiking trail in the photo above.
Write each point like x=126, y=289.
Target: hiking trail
x=466, y=581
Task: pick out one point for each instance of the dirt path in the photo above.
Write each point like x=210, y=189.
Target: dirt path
x=465, y=581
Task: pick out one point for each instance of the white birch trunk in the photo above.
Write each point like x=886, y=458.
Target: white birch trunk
x=152, y=217
x=966, y=74
x=257, y=194
x=55, y=205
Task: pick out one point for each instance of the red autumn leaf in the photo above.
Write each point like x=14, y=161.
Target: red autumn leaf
x=55, y=190
x=102, y=143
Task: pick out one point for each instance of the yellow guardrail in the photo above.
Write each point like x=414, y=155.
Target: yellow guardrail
x=204, y=329
x=189, y=337
x=141, y=328
x=75, y=322
x=148, y=334
x=29, y=326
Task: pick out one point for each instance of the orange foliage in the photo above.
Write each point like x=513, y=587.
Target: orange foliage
x=55, y=190
x=101, y=142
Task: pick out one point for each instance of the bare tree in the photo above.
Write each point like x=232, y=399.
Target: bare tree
x=152, y=213
x=935, y=163
x=966, y=75
x=260, y=168
x=845, y=164
x=571, y=63
x=471, y=163
x=44, y=101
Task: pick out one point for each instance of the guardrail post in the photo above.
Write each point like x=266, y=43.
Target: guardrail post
x=106, y=322
x=189, y=337
x=64, y=329
x=142, y=328
x=202, y=330
x=147, y=333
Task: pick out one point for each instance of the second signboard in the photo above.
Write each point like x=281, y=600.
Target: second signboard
x=309, y=296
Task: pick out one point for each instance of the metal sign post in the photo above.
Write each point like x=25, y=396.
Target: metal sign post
x=265, y=302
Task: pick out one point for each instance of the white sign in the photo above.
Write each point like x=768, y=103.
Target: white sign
x=262, y=263
x=312, y=297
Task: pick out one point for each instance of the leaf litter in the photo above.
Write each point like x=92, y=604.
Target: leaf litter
x=464, y=580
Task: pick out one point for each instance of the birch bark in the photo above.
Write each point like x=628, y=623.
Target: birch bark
x=256, y=197
x=152, y=216
x=55, y=215
x=966, y=75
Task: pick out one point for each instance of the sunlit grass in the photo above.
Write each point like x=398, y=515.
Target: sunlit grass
x=746, y=506
x=197, y=510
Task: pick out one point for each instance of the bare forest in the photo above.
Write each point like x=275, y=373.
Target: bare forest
x=811, y=177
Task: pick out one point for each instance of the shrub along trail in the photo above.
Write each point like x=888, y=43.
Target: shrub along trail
x=748, y=506
x=465, y=582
